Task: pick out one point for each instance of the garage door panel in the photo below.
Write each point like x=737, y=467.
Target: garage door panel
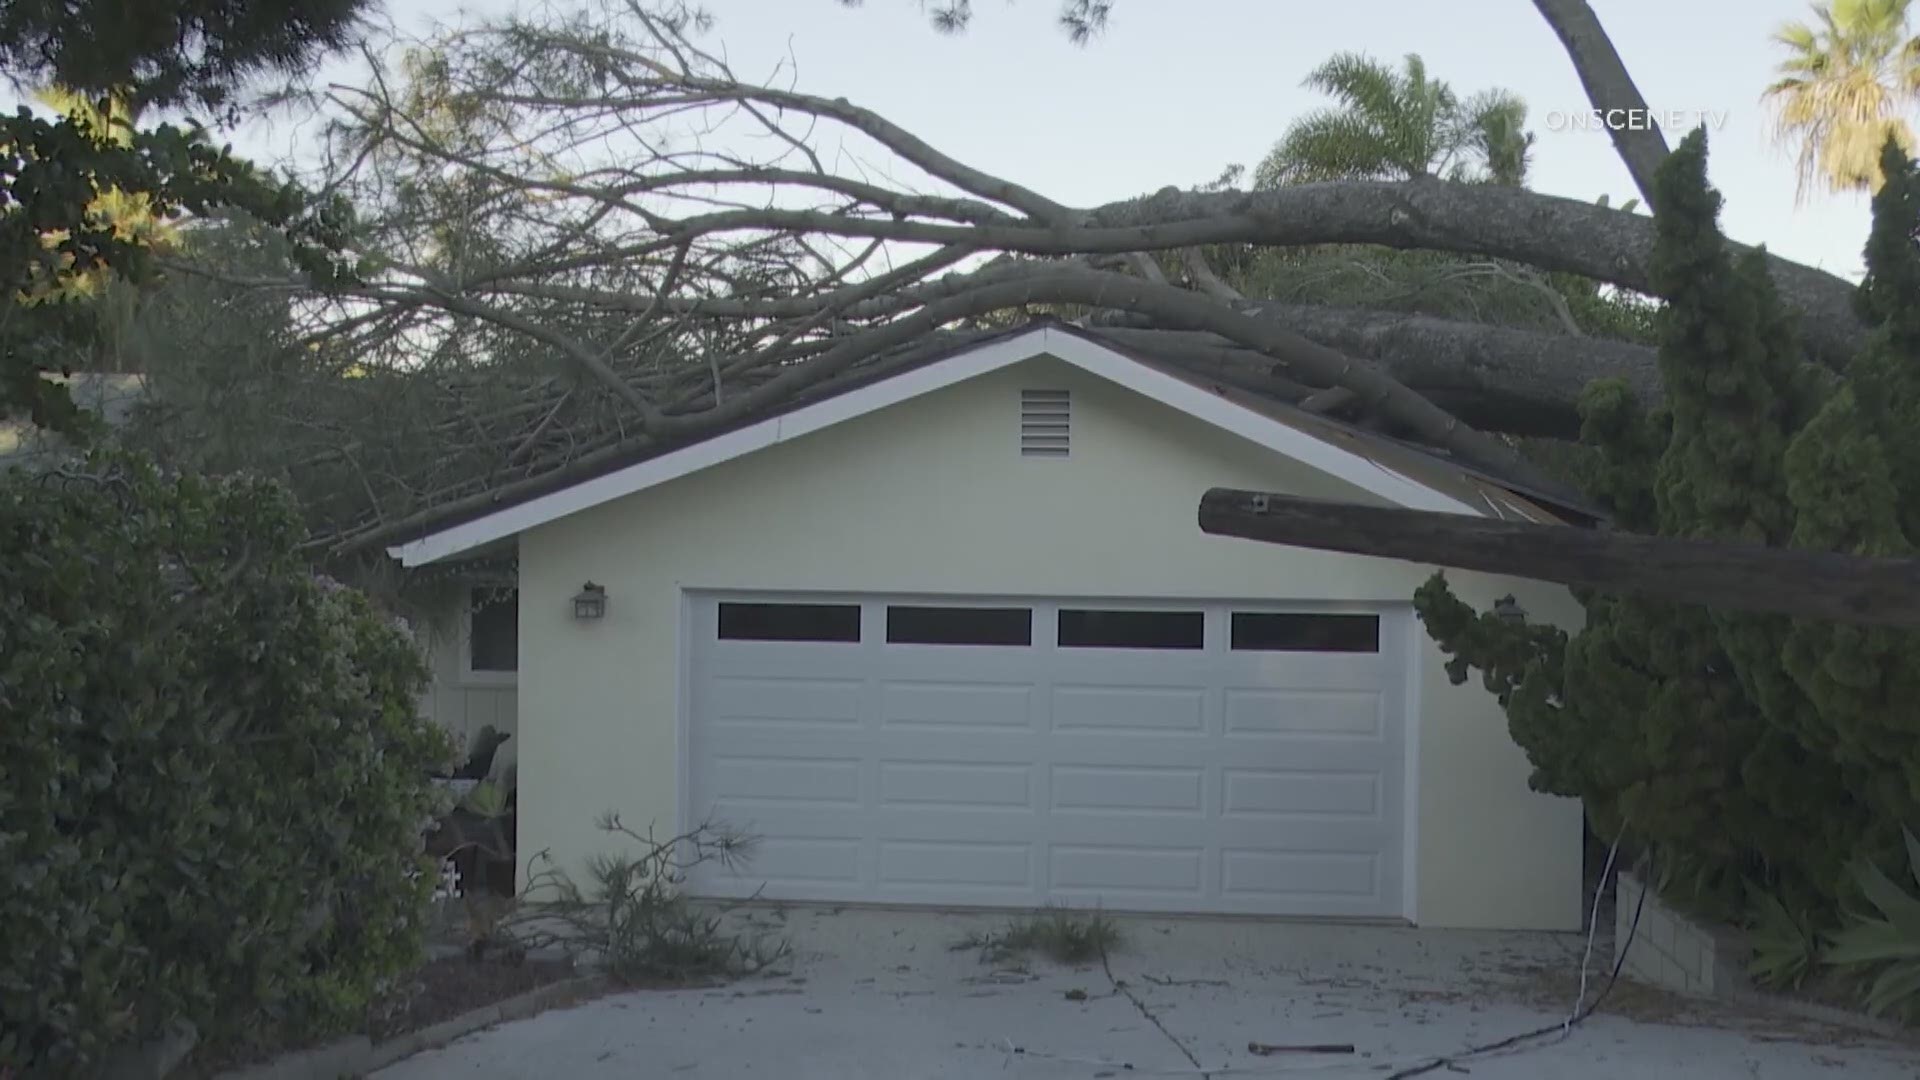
x=780, y=860
x=1129, y=748
x=968, y=824
x=989, y=748
x=779, y=778
x=1252, y=711
x=1282, y=875
x=960, y=663
x=1315, y=753
x=1171, y=710
x=763, y=818
x=1154, y=778
x=1143, y=668
x=952, y=783
x=977, y=864
x=1127, y=788
x=954, y=704
x=1331, y=834
x=746, y=739
x=1294, y=793
x=1310, y=671
x=1133, y=869
x=786, y=660
x=1102, y=828
x=767, y=699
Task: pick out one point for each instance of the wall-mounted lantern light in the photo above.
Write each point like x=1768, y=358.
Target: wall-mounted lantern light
x=1508, y=610
x=590, y=602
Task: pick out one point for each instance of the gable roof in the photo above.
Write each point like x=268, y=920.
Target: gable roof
x=1399, y=473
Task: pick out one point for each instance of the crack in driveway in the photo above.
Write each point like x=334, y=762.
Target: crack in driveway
x=1120, y=987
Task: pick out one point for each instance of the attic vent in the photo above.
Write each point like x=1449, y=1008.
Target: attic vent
x=1044, y=420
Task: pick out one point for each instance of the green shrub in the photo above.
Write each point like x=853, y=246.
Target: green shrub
x=1748, y=750
x=1785, y=947
x=1883, y=947
x=212, y=770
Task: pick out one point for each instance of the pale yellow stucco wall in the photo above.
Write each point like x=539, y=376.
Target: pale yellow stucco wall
x=931, y=496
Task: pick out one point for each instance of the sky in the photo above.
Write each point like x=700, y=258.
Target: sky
x=1177, y=90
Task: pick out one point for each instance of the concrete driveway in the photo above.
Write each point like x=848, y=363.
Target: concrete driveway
x=880, y=994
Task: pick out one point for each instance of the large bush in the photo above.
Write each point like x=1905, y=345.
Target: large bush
x=212, y=771
x=1753, y=754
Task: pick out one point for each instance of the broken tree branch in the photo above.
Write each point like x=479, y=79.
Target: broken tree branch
x=1729, y=576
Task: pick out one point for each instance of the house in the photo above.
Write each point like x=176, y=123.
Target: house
x=951, y=636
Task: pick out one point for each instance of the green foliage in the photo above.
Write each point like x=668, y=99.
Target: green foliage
x=1844, y=87
x=634, y=915
x=1064, y=935
x=175, y=52
x=1752, y=752
x=1785, y=948
x=1080, y=20
x=1884, y=946
x=486, y=799
x=212, y=771
x=61, y=178
x=1399, y=125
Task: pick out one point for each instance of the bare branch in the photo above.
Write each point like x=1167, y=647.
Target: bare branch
x=593, y=242
x=1642, y=146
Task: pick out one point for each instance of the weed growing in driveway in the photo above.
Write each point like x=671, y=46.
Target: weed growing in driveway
x=1070, y=937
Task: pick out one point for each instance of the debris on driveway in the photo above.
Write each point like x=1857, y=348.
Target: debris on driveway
x=1192, y=998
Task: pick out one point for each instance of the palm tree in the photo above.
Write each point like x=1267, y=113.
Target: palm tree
x=1843, y=88
x=1398, y=125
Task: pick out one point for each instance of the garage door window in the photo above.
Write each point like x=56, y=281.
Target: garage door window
x=1082, y=628
x=1295, y=631
x=959, y=626
x=790, y=622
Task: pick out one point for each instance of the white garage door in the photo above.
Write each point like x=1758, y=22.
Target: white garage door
x=1141, y=757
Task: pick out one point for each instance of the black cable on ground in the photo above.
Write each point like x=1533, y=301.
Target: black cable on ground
x=1564, y=1027
x=1453, y=1061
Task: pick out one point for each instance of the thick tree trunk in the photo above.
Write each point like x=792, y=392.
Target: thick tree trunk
x=1732, y=577
x=1609, y=88
x=1517, y=382
x=1545, y=231
x=1521, y=382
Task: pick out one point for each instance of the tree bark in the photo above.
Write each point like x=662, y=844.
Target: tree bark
x=1545, y=231
x=1732, y=577
x=1609, y=87
x=1515, y=382
x=1520, y=382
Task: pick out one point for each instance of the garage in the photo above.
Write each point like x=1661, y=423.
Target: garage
x=1200, y=757
x=955, y=637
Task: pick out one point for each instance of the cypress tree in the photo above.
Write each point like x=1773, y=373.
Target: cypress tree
x=1747, y=750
